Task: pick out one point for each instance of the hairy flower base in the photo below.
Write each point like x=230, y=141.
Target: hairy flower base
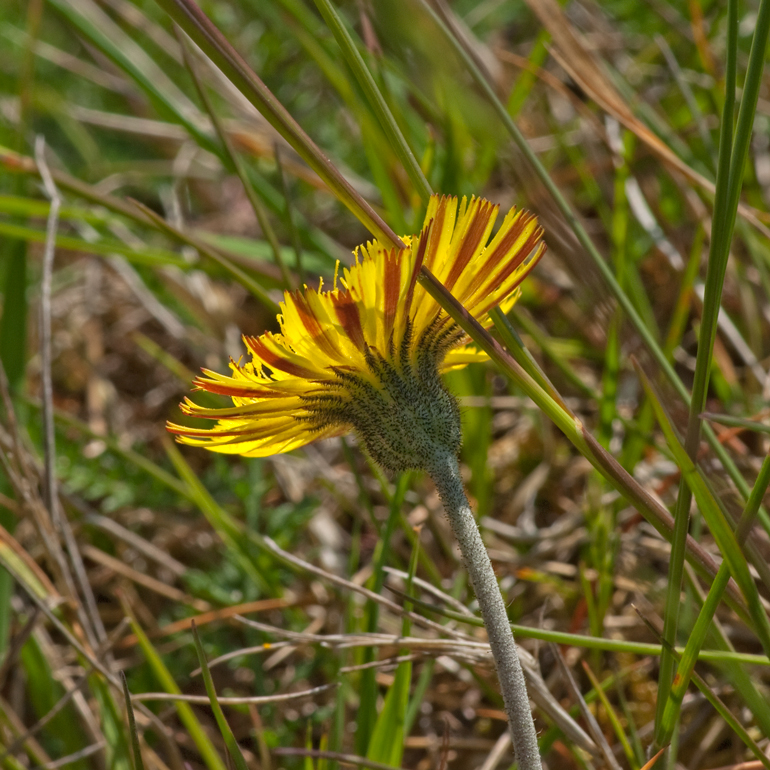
x=406, y=421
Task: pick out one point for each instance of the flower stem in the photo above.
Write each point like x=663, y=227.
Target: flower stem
x=446, y=475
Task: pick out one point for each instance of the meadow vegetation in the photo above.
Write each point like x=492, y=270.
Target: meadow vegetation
x=308, y=610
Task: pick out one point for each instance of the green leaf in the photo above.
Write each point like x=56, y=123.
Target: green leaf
x=389, y=735
x=368, y=688
x=737, y=422
x=118, y=756
x=555, y=408
x=64, y=733
x=703, y=622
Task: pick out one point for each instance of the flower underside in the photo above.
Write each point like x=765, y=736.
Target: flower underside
x=367, y=355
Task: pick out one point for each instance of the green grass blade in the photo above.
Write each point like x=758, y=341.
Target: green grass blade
x=716, y=520
x=14, y=163
x=34, y=207
x=290, y=225
x=97, y=27
x=151, y=468
x=620, y=259
x=717, y=264
x=235, y=160
x=153, y=257
x=732, y=721
x=387, y=742
x=741, y=676
x=208, y=37
x=526, y=79
x=517, y=349
x=595, y=642
x=384, y=116
x=683, y=306
x=367, y=714
x=561, y=202
x=138, y=762
x=64, y=729
x=736, y=422
x=118, y=755
x=207, y=750
x=731, y=164
x=617, y=727
x=749, y=98
x=13, y=324
x=307, y=32
x=418, y=695
x=673, y=592
x=472, y=381
x=227, y=734
x=546, y=346
x=244, y=278
x=720, y=707
x=698, y=633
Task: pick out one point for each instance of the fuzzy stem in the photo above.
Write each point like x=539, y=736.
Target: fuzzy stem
x=446, y=476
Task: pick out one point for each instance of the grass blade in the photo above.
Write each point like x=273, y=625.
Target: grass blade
x=237, y=164
x=718, y=704
x=367, y=718
x=384, y=116
x=138, y=763
x=13, y=324
x=230, y=530
x=612, y=716
x=187, y=716
x=737, y=422
x=700, y=629
x=211, y=253
x=208, y=37
x=96, y=26
x=721, y=234
x=387, y=742
x=227, y=734
x=716, y=520
x=15, y=163
x=147, y=256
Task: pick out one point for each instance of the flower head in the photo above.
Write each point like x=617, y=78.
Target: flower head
x=367, y=355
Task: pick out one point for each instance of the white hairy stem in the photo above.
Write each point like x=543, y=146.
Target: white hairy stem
x=446, y=475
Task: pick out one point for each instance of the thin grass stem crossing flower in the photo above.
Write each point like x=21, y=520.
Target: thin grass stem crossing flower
x=367, y=357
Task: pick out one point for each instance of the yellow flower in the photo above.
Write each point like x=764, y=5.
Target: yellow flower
x=367, y=355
